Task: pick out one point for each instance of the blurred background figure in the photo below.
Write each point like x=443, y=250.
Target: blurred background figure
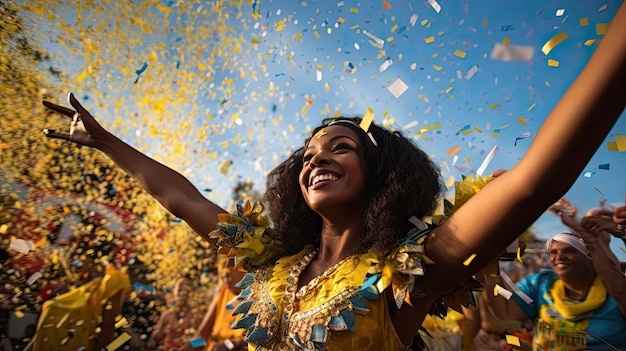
x=215, y=330
x=83, y=315
x=176, y=324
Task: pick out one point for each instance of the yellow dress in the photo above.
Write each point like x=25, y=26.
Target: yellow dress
x=342, y=309
x=223, y=319
x=68, y=322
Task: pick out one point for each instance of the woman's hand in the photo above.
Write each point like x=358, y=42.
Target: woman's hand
x=599, y=221
x=619, y=217
x=84, y=129
x=563, y=207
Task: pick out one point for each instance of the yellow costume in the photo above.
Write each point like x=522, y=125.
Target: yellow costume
x=69, y=321
x=223, y=319
x=342, y=309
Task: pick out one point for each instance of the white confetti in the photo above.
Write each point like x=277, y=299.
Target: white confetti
x=397, y=88
x=512, y=52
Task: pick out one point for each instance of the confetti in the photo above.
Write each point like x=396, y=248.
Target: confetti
x=487, y=160
x=598, y=190
x=471, y=72
x=512, y=340
x=469, y=260
x=435, y=5
x=21, y=246
x=367, y=119
x=376, y=41
x=453, y=150
x=499, y=290
x=118, y=342
x=512, y=52
x=524, y=135
x=386, y=64
x=397, y=88
x=553, y=42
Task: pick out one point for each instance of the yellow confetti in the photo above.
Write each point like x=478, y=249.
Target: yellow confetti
x=429, y=39
x=164, y=9
x=449, y=181
x=427, y=128
x=512, y=340
x=367, y=119
x=584, y=22
x=354, y=10
x=494, y=105
x=119, y=341
x=460, y=53
x=553, y=42
x=601, y=28
x=506, y=41
x=122, y=322
x=521, y=120
x=620, y=141
x=469, y=260
x=82, y=76
x=225, y=166
x=553, y=63
x=590, y=42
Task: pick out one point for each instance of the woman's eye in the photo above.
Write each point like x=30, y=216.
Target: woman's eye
x=342, y=146
x=307, y=158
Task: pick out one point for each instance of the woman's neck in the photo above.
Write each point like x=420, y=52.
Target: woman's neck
x=578, y=288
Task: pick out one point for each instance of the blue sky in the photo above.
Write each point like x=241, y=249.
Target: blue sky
x=250, y=93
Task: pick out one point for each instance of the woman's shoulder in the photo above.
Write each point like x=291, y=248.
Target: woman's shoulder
x=246, y=235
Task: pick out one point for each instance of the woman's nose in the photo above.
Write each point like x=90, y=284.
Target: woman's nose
x=318, y=159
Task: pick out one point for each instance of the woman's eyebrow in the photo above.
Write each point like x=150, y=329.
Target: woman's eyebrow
x=332, y=139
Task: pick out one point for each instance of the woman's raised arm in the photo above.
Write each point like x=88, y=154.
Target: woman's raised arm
x=563, y=146
x=166, y=185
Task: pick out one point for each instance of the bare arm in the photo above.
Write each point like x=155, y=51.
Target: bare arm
x=502, y=210
x=108, y=321
x=563, y=146
x=166, y=185
x=206, y=326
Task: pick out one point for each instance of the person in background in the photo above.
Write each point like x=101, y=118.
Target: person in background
x=215, y=332
x=572, y=305
x=176, y=325
x=84, y=317
x=340, y=267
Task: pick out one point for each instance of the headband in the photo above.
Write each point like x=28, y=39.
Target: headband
x=569, y=239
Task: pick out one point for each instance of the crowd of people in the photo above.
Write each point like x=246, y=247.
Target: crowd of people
x=341, y=255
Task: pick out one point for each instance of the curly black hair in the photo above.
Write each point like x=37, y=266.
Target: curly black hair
x=402, y=181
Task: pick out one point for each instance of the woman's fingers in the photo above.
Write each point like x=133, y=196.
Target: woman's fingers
x=51, y=133
x=60, y=109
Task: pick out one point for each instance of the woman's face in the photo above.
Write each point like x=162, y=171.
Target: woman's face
x=566, y=261
x=332, y=172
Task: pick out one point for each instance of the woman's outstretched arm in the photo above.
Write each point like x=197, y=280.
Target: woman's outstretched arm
x=166, y=185
x=563, y=146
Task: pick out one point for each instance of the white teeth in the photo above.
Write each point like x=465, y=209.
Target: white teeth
x=322, y=177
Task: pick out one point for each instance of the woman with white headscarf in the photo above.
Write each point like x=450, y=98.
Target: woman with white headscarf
x=570, y=304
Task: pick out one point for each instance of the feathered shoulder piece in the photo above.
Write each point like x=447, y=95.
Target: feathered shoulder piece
x=463, y=191
x=246, y=236
x=399, y=268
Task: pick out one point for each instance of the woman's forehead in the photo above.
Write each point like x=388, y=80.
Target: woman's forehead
x=333, y=132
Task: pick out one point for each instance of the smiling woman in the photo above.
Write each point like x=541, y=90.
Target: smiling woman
x=341, y=267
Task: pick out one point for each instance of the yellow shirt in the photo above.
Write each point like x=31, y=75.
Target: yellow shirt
x=68, y=322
